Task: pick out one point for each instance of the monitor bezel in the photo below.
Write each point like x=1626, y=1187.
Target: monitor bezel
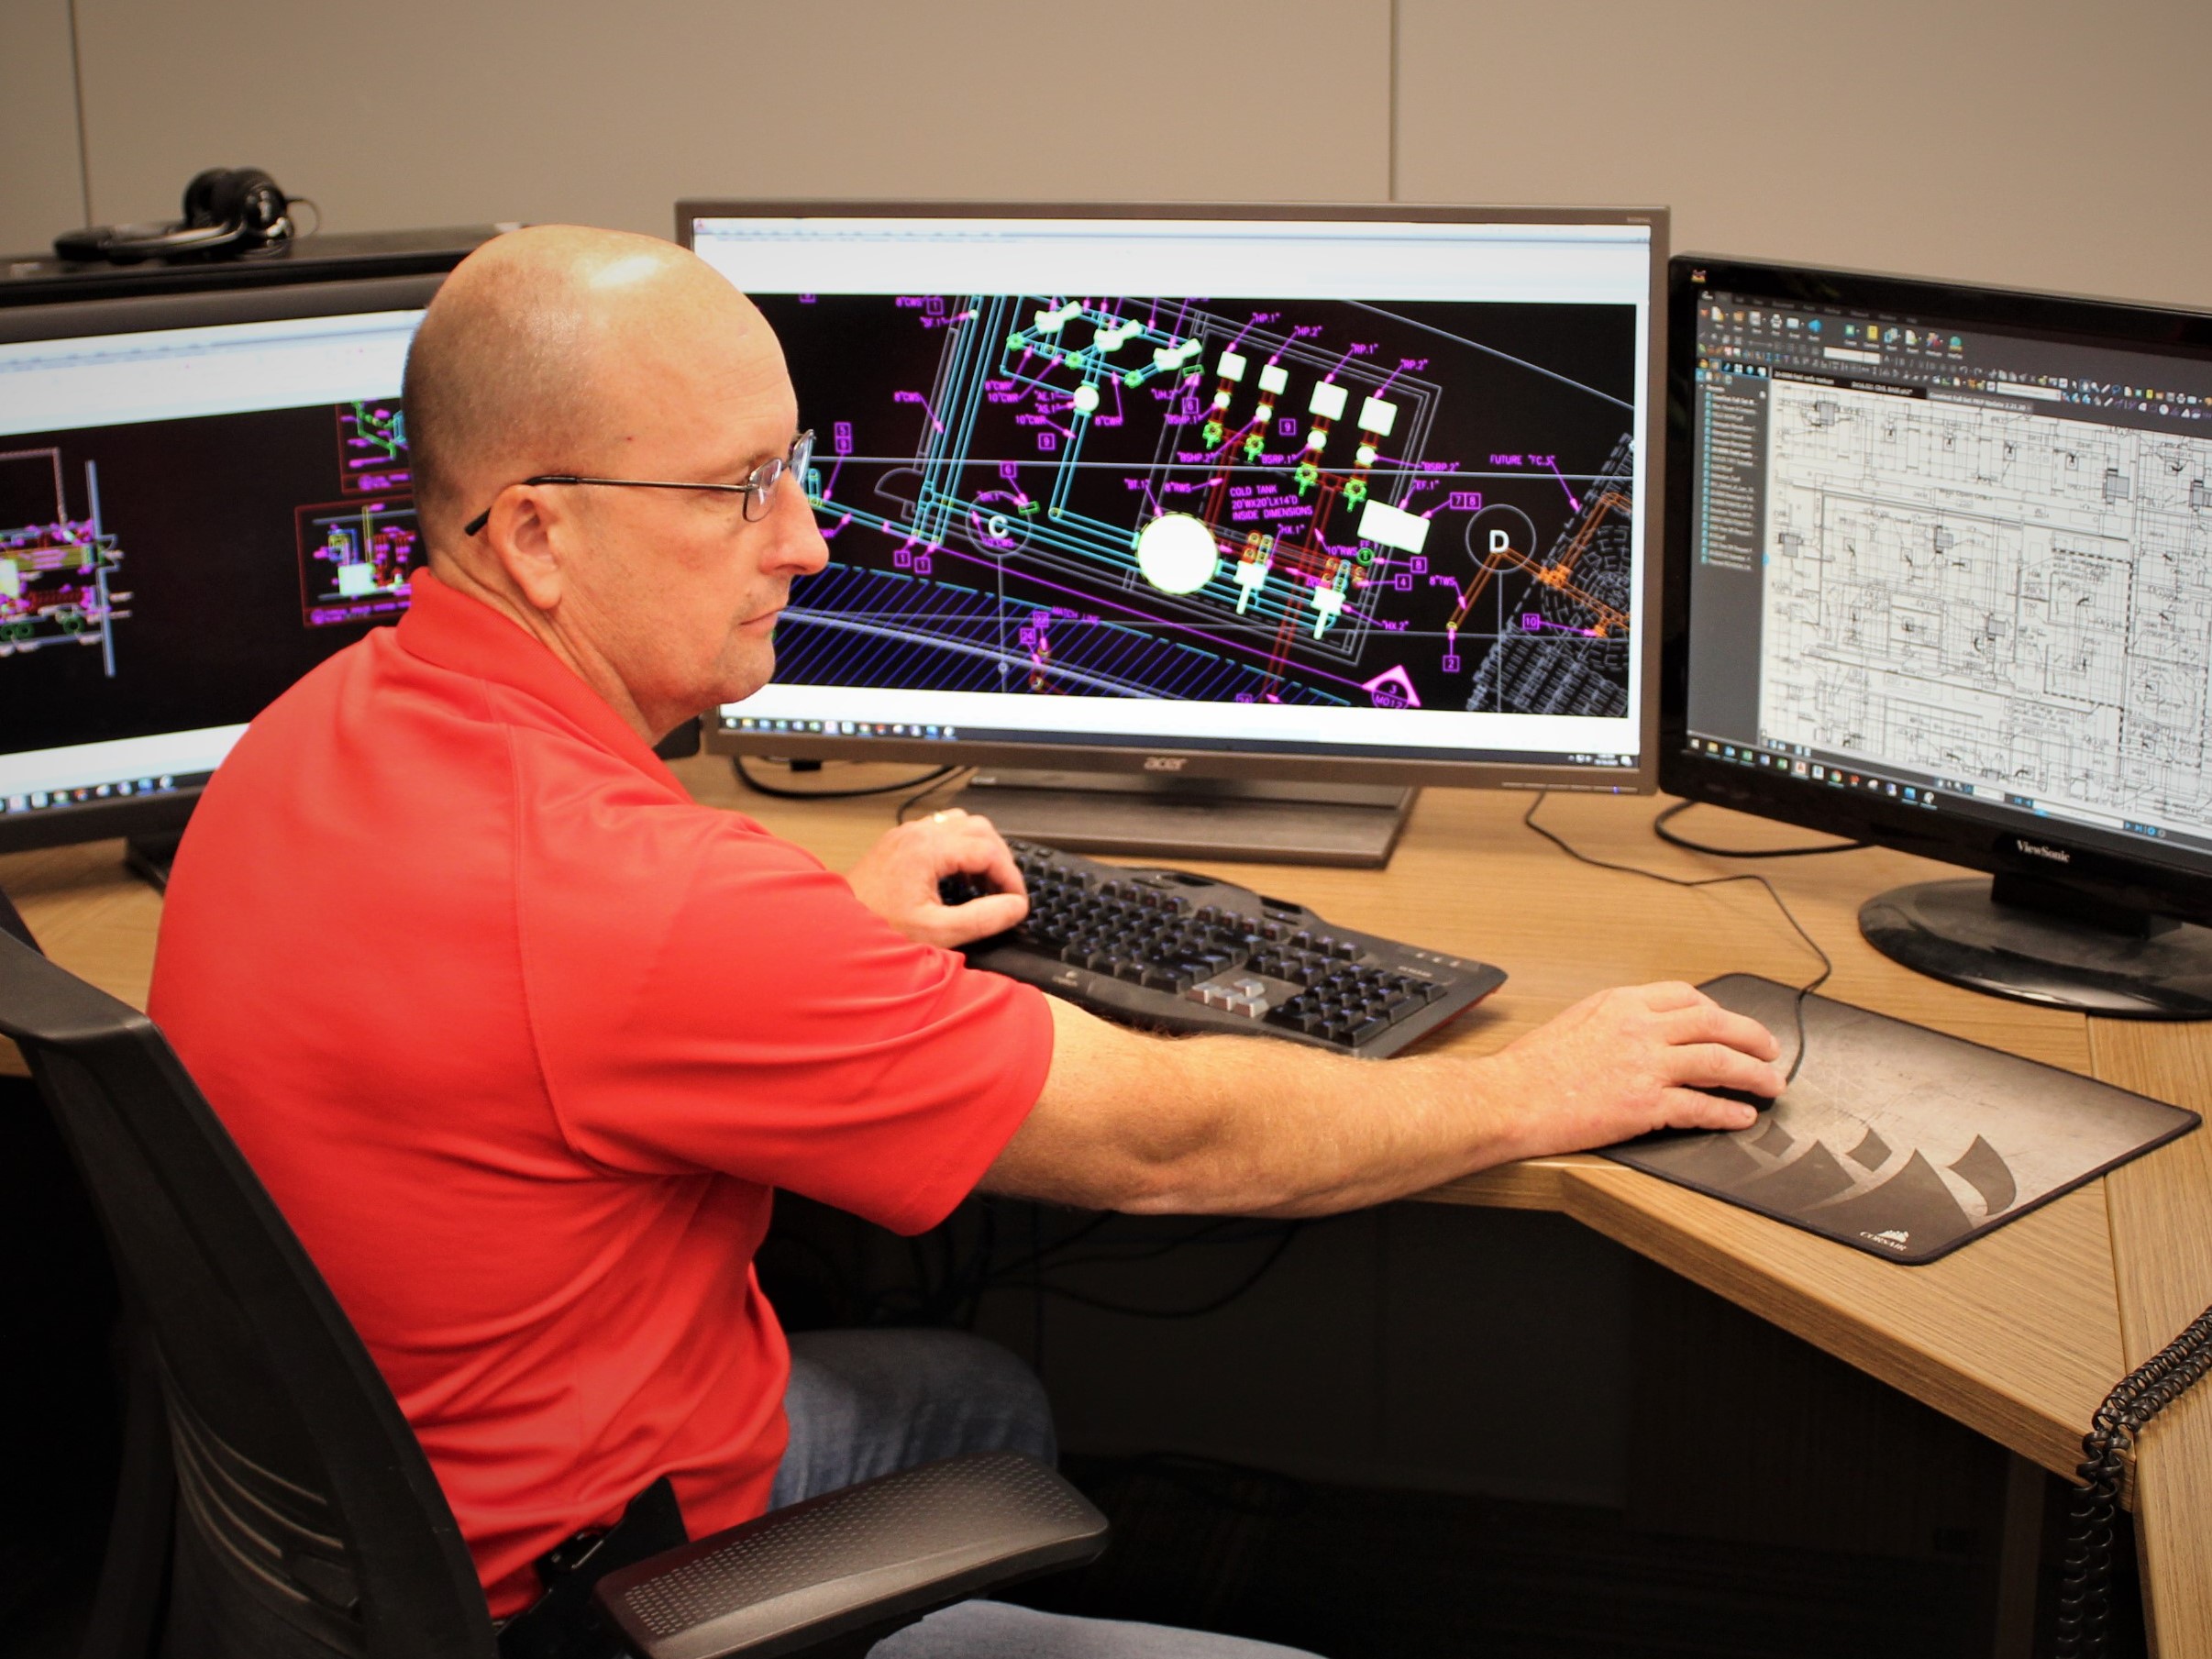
x=118, y=313
x=1203, y=762
x=2106, y=868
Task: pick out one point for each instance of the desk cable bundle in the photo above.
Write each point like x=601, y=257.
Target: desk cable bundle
x=2084, y=1591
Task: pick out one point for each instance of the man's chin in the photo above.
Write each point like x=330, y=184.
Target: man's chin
x=758, y=669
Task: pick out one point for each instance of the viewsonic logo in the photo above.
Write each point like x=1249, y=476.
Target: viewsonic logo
x=2039, y=850
x=1165, y=763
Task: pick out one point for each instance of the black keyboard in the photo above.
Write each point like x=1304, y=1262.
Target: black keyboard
x=1177, y=951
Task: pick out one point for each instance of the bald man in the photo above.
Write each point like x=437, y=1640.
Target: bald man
x=522, y=1039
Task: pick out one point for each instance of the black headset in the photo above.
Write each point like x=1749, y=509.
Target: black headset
x=228, y=211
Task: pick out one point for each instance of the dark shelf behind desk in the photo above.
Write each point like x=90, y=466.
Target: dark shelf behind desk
x=39, y=279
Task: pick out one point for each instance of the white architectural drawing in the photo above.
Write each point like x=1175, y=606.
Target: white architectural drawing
x=2004, y=600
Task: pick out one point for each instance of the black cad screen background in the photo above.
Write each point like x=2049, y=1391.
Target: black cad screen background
x=203, y=512
x=959, y=609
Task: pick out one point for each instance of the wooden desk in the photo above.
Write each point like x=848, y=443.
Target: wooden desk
x=2020, y=1336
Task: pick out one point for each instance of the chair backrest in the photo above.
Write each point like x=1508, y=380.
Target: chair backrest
x=309, y=1523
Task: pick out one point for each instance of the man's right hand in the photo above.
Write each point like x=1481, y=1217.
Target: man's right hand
x=899, y=880
x=1624, y=1062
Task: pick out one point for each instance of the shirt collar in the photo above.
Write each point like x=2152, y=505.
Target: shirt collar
x=451, y=630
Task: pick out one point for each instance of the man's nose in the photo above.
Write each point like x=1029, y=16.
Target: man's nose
x=799, y=545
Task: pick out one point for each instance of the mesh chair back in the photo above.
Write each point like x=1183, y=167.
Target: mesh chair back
x=309, y=1524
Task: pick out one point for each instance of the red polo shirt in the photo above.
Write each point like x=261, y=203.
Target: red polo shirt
x=521, y=1037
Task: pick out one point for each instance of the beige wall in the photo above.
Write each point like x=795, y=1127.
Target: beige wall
x=41, y=190
x=419, y=112
x=2042, y=142
x=2038, y=142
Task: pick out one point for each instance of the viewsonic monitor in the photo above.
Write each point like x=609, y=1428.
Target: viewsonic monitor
x=1211, y=529
x=202, y=496
x=1939, y=565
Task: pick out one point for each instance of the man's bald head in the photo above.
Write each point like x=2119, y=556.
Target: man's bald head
x=516, y=369
x=617, y=359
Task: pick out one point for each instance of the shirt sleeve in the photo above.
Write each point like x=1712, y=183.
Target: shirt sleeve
x=726, y=1004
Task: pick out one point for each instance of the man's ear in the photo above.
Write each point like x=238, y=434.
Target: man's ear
x=526, y=534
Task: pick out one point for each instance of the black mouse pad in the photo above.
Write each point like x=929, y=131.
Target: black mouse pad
x=1901, y=1141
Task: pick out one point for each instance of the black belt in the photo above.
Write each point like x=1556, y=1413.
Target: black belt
x=562, y=1623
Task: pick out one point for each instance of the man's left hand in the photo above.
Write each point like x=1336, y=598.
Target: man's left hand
x=898, y=878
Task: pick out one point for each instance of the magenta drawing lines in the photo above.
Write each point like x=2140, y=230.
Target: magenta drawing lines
x=58, y=570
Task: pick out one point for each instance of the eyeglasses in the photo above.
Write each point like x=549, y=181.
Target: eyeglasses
x=758, y=489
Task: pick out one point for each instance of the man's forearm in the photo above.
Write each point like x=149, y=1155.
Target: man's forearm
x=1240, y=1125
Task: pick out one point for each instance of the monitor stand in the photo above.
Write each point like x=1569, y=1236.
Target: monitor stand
x=2040, y=942
x=149, y=856
x=1215, y=818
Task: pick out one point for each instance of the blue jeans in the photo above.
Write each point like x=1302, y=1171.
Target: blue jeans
x=864, y=1403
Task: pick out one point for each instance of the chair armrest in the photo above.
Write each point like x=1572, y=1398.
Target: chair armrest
x=880, y=1554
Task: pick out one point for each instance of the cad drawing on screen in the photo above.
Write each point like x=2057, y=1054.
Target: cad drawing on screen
x=56, y=572
x=1325, y=502
x=2004, y=600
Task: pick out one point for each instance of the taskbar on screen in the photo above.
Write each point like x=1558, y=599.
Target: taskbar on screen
x=32, y=802
x=755, y=726
x=1926, y=791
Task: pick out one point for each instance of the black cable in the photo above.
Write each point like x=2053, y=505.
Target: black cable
x=745, y=777
x=1686, y=845
x=1017, y=1273
x=1827, y=966
x=937, y=782
x=1213, y=1304
x=974, y=1277
x=1206, y=1236
x=2086, y=1584
x=1037, y=1290
x=1040, y=1253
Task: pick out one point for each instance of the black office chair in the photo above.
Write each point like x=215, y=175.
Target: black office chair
x=307, y=1522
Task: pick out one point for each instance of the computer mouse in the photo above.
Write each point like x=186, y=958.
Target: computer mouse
x=960, y=887
x=1757, y=1102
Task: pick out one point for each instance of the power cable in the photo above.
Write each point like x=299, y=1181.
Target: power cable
x=1827, y=966
x=744, y=776
x=1673, y=839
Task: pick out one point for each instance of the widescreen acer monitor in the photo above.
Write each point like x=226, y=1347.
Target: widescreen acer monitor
x=202, y=496
x=1939, y=568
x=1211, y=529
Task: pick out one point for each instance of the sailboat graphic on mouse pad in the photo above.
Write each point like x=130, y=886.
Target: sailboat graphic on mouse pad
x=1901, y=1141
